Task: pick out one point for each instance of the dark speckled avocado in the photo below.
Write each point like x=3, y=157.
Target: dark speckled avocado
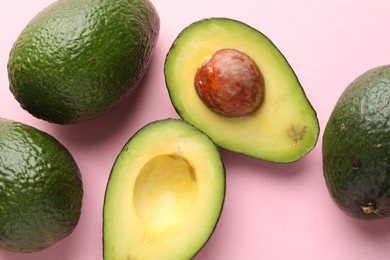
x=356, y=147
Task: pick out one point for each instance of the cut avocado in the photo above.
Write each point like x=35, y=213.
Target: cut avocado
x=77, y=59
x=356, y=145
x=268, y=116
x=41, y=189
x=164, y=195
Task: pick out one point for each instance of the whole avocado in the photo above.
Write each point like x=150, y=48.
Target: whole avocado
x=356, y=147
x=77, y=59
x=41, y=189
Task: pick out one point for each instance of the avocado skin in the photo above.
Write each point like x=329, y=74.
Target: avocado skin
x=41, y=189
x=356, y=145
x=77, y=59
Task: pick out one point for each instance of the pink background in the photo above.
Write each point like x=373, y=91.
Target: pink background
x=272, y=211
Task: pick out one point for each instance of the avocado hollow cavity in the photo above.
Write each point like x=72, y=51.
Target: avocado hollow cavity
x=165, y=191
x=230, y=83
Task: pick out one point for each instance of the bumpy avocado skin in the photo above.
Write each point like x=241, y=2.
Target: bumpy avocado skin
x=356, y=145
x=77, y=59
x=41, y=189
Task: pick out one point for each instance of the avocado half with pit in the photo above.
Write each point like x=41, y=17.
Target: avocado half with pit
x=164, y=195
x=230, y=81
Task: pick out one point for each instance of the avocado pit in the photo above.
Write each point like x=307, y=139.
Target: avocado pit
x=230, y=83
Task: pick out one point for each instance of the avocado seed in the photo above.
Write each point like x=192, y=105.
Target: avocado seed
x=230, y=83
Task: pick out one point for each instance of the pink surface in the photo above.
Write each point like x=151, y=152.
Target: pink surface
x=272, y=211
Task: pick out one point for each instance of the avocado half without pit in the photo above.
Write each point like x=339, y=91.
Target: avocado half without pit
x=230, y=81
x=164, y=195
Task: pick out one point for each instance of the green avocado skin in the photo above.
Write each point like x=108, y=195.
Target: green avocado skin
x=41, y=189
x=356, y=146
x=77, y=59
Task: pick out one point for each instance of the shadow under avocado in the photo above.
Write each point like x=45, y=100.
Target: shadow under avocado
x=278, y=170
x=373, y=229
x=59, y=250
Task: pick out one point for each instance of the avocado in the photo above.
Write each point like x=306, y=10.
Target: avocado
x=77, y=59
x=356, y=145
x=41, y=189
x=164, y=195
x=230, y=81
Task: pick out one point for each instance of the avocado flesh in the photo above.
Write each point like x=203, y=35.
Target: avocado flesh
x=356, y=145
x=77, y=59
x=165, y=194
x=283, y=129
x=41, y=189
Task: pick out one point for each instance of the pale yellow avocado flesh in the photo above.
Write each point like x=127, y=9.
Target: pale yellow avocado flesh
x=283, y=129
x=165, y=194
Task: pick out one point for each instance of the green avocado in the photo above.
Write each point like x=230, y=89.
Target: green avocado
x=41, y=189
x=164, y=195
x=77, y=59
x=231, y=82
x=356, y=146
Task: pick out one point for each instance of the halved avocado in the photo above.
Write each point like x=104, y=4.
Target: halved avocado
x=282, y=127
x=164, y=195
